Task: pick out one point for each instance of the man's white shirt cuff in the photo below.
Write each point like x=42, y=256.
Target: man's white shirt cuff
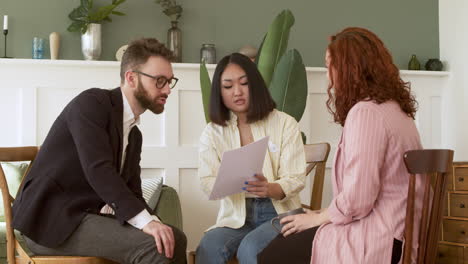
x=142, y=219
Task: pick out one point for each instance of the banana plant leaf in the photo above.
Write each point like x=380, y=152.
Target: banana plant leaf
x=275, y=44
x=205, y=84
x=259, y=51
x=289, y=85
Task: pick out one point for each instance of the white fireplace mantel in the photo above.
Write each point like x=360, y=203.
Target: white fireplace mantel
x=33, y=93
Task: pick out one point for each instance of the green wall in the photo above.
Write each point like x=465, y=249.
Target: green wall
x=407, y=27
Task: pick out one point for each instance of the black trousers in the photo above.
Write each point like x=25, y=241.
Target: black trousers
x=297, y=249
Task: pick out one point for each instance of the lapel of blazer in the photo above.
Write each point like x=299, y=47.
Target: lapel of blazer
x=117, y=120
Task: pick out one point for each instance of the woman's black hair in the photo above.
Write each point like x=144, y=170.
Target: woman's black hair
x=261, y=102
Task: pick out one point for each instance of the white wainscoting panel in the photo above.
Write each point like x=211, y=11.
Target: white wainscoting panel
x=191, y=120
x=10, y=102
x=199, y=213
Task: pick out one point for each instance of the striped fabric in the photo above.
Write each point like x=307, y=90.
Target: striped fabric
x=152, y=190
x=284, y=162
x=370, y=185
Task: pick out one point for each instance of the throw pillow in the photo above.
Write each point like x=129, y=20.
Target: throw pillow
x=14, y=172
x=152, y=191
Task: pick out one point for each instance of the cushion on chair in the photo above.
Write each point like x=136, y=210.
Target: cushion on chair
x=20, y=238
x=169, y=209
x=152, y=190
x=14, y=172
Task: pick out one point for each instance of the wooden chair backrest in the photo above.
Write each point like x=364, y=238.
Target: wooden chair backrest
x=13, y=155
x=428, y=163
x=316, y=157
x=29, y=154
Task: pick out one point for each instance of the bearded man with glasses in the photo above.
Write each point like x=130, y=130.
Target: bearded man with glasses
x=83, y=194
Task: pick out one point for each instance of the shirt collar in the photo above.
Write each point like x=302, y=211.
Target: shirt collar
x=128, y=116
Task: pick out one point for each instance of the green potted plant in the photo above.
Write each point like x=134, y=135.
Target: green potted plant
x=283, y=71
x=174, y=36
x=171, y=9
x=87, y=19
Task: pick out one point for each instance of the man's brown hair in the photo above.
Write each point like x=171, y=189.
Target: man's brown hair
x=139, y=51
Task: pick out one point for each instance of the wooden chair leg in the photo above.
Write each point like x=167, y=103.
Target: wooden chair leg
x=191, y=257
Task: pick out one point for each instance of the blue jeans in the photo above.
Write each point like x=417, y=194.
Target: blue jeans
x=219, y=245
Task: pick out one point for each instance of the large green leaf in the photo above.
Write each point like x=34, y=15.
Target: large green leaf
x=275, y=44
x=289, y=85
x=205, y=85
x=259, y=51
x=79, y=14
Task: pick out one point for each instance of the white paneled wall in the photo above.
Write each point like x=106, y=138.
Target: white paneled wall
x=33, y=93
x=453, y=42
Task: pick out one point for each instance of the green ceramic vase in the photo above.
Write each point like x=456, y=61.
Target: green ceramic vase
x=434, y=65
x=414, y=64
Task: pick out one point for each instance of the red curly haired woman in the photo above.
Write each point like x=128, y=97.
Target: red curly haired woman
x=365, y=221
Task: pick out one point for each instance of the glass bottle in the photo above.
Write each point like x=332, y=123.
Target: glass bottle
x=208, y=54
x=174, y=41
x=414, y=64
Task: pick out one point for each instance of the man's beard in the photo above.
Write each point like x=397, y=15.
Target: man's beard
x=145, y=101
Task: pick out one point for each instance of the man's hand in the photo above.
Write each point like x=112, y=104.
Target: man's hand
x=163, y=236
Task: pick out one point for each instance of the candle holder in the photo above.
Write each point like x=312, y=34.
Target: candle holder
x=5, y=33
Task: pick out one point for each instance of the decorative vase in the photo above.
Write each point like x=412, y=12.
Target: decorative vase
x=91, y=42
x=54, y=41
x=414, y=64
x=249, y=51
x=434, y=65
x=208, y=54
x=174, y=41
x=38, y=48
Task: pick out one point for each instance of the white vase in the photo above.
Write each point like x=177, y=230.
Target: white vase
x=91, y=42
x=54, y=41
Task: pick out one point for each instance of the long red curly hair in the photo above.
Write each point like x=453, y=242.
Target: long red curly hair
x=361, y=69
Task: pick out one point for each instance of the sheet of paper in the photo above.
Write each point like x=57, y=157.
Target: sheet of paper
x=237, y=166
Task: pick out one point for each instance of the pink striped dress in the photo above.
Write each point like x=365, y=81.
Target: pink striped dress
x=370, y=185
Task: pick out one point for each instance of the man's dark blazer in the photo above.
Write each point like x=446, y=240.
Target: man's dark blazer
x=77, y=170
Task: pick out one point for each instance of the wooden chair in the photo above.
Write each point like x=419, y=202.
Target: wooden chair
x=13, y=246
x=434, y=164
x=316, y=157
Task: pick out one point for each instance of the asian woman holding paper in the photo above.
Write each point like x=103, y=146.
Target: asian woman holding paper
x=241, y=112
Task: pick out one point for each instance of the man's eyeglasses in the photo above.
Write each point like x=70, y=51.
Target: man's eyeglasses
x=160, y=80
